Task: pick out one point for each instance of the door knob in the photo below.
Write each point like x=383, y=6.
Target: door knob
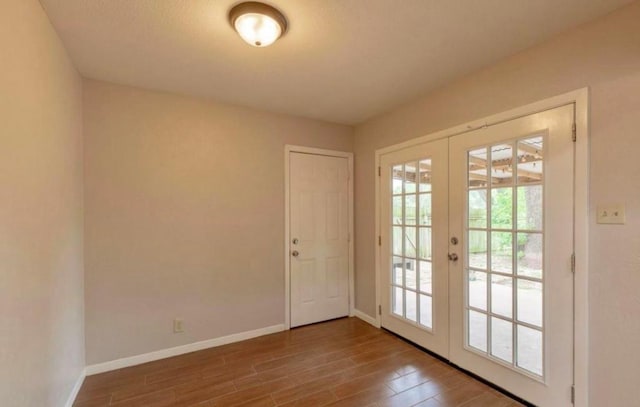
x=453, y=257
x=295, y=253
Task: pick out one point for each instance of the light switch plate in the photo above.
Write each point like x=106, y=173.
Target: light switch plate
x=612, y=214
x=178, y=326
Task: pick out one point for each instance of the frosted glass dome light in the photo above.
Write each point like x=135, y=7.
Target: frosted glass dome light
x=258, y=24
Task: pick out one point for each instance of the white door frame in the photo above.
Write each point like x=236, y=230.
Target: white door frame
x=580, y=98
x=288, y=149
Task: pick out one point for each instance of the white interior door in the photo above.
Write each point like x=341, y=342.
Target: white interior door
x=414, y=211
x=511, y=200
x=476, y=252
x=319, y=231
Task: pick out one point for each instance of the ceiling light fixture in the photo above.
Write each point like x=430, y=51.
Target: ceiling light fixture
x=259, y=24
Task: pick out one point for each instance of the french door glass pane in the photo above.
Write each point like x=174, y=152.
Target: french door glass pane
x=425, y=175
x=478, y=330
x=410, y=178
x=397, y=271
x=530, y=349
x=501, y=295
x=410, y=241
x=478, y=168
x=425, y=243
x=411, y=305
x=426, y=311
x=397, y=179
x=478, y=208
x=530, y=157
x=478, y=249
x=411, y=274
x=477, y=289
x=397, y=240
x=530, y=302
x=502, y=339
x=426, y=284
x=530, y=255
x=397, y=301
x=501, y=208
x=530, y=207
x=501, y=165
x=502, y=252
x=410, y=209
x=505, y=252
x=396, y=207
x=425, y=209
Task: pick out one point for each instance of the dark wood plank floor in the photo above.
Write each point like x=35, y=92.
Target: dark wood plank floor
x=345, y=362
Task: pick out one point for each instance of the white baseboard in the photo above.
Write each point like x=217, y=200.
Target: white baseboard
x=76, y=389
x=366, y=318
x=180, y=350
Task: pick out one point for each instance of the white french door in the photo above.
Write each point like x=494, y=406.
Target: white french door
x=319, y=237
x=414, y=272
x=414, y=243
x=512, y=309
x=502, y=211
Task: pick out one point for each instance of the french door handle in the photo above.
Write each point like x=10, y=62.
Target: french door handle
x=453, y=257
x=295, y=253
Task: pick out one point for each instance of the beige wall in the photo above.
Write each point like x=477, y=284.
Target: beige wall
x=604, y=55
x=41, y=265
x=184, y=217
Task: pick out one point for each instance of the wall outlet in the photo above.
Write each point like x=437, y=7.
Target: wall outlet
x=612, y=214
x=178, y=326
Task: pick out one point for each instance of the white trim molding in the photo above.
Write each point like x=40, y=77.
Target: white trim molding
x=366, y=318
x=76, y=389
x=180, y=350
x=288, y=149
x=581, y=247
x=580, y=99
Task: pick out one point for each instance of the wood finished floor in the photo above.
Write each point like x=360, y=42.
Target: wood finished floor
x=345, y=362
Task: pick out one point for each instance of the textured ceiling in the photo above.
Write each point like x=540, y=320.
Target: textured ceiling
x=341, y=60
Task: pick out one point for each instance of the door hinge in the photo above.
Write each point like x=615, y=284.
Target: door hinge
x=573, y=263
x=379, y=240
x=574, y=132
x=573, y=394
x=379, y=171
x=379, y=309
